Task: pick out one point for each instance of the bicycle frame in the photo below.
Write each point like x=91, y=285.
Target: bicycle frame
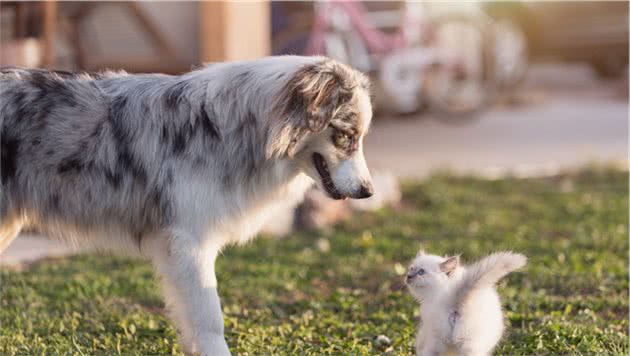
x=376, y=41
x=345, y=31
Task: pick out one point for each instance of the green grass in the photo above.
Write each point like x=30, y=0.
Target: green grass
x=294, y=296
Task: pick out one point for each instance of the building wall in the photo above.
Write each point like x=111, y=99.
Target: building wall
x=111, y=34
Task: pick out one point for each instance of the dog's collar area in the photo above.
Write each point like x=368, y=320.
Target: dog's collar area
x=324, y=173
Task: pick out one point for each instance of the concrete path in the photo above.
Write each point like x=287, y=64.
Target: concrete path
x=567, y=119
x=537, y=140
x=28, y=248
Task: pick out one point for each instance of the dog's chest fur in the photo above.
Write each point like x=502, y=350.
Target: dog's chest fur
x=237, y=214
x=239, y=228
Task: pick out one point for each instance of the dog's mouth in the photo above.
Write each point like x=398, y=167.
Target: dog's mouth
x=324, y=173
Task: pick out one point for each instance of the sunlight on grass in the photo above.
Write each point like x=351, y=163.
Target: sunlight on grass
x=293, y=297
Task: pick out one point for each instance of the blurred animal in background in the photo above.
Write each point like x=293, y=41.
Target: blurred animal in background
x=460, y=309
x=317, y=211
x=174, y=168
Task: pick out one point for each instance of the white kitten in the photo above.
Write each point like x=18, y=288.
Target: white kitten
x=460, y=308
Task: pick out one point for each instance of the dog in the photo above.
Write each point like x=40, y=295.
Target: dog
x=174, y=168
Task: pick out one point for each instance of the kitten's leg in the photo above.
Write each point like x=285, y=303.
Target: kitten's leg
x=472, y=349
x=420, y=342
x=472, y=340
x=433, y=350
x=190, y=290
x=418, y=346
x=429, y=345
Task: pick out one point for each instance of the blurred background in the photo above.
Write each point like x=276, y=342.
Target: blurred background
x=482, y=88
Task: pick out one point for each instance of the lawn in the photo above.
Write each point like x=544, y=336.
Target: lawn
x=335, y=291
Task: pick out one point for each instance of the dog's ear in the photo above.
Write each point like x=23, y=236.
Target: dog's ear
x=449, y=265
x=314, y=94
x=307, y=102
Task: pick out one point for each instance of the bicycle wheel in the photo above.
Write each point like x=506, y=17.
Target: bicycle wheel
x=461, y=82
x=512, y=58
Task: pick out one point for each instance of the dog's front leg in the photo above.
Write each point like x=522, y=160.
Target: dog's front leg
x=190, y=289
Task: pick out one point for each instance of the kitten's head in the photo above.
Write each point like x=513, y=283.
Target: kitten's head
x=427, y=273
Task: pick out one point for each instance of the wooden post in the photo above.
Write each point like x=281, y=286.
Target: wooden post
x=50, y=27
x=234, y=30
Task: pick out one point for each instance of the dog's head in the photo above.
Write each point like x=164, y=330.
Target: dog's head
x=325, y=112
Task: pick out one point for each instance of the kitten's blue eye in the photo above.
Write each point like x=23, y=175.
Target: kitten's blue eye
x=420, y=271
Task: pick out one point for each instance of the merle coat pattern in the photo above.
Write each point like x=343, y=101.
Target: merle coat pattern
x=175, y=167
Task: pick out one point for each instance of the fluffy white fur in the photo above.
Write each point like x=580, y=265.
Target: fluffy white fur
x=460, y=309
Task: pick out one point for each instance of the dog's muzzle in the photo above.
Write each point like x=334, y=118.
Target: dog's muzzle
x=365, y=191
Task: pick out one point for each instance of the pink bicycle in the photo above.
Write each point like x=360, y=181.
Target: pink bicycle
x=441, y=63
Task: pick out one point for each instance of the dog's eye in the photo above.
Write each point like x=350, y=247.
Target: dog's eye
x=342, y=139
x=421, y=271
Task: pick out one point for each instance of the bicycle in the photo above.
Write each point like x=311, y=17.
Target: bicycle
x=416, y=62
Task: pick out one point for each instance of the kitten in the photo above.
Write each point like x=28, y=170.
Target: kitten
x=460, y=308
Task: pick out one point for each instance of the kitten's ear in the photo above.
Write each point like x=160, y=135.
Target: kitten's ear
x=420, y=252
x=450, y=264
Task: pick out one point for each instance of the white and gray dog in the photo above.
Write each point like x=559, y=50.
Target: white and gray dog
x=176, y=167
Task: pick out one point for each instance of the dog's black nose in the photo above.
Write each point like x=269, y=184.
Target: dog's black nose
x=365, y=191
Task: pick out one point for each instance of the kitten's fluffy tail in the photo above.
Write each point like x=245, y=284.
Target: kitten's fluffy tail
x=487, y=272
